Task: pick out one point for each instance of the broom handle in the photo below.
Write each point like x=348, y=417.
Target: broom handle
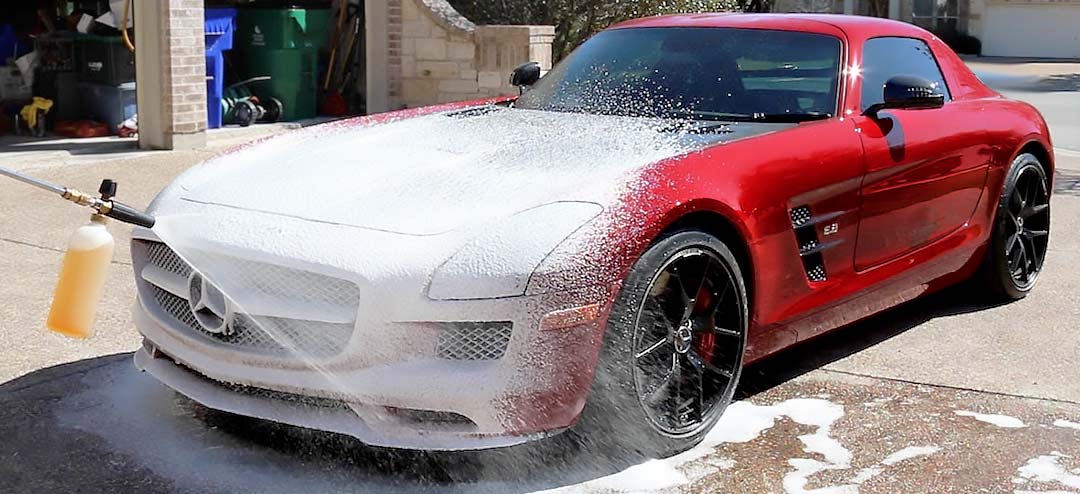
x=41, y=184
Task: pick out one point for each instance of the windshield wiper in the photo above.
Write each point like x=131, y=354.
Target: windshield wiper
x=706, y=116
x=749, y=117
x=789, y=117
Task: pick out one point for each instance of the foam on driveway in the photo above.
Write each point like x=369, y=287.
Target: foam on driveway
x=99, y=426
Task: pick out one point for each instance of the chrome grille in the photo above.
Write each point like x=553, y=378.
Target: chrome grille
x=163, y=257
x=474, y=340
x=259, y=334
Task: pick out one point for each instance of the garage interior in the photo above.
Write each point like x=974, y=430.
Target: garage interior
x=265, y=61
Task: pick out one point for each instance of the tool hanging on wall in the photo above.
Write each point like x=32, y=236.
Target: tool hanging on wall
x=86, y=261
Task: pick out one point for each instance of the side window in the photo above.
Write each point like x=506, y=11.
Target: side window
x=884, y=58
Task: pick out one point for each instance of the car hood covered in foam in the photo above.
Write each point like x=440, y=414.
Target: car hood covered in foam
x=437, y=173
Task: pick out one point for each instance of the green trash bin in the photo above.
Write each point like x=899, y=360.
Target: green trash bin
x=293, y=80
x=275, y=29
x=283, y=44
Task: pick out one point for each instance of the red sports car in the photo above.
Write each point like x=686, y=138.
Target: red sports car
x=680, y=197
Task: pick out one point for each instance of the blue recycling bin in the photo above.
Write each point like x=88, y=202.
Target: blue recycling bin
x=219, y=27
x=9, y=44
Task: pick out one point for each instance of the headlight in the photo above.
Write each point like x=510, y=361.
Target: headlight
x=498, y=262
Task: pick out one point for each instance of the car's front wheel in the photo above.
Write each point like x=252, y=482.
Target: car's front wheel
x=673, y=351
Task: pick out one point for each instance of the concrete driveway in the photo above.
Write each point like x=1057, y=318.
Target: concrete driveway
x=945, y=394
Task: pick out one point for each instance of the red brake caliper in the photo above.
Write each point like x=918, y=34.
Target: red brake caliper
x=705, y=341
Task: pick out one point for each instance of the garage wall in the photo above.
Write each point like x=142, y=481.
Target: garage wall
x=1030, y=29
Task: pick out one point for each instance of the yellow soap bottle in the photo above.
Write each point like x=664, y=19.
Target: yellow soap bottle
x=82, y=279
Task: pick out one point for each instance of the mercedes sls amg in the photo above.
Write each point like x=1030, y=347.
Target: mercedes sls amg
x=680, y=197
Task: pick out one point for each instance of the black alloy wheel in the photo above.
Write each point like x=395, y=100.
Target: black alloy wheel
x=673, y=350
x=683, y=367
x=1021, y=231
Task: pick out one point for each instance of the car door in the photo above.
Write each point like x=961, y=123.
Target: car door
x=925, y=168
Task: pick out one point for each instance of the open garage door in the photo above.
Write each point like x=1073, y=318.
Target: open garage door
x=1032, y=30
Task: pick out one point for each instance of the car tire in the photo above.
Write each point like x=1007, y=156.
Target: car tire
x=620, y=406
x=1020, y=236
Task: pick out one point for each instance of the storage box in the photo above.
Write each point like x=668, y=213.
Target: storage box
x=56, y=52
x=104, y=60
x=109, y=104
x=12, y=85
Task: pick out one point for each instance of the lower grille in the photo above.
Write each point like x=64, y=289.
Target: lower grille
x=265, y=335
x=474, y=340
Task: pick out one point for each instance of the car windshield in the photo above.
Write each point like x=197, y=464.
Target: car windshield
x=697, y=73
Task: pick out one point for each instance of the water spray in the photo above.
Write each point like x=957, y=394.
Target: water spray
x=87, y=258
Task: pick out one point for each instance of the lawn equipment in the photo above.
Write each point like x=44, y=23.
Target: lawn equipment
x=240, y=105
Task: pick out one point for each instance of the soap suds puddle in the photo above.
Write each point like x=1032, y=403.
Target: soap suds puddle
x=743, y=422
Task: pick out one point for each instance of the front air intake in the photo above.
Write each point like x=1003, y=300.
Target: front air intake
x=474, y=340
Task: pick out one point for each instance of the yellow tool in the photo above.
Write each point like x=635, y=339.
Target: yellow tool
x=90, y=249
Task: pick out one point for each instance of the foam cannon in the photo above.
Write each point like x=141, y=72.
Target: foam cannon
x=89, y=252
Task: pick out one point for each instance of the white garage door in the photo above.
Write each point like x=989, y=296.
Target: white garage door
x=1031, y=30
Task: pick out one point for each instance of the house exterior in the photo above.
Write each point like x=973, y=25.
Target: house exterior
x=429, y=53
x=416, y=53
x=1006, y=28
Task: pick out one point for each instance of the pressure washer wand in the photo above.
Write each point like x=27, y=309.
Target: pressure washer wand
x=86, y=260
x=105, y=205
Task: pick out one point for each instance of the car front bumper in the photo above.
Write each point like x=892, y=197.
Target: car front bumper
x=389, y=385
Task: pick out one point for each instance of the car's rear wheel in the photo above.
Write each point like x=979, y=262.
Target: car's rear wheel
x=673, y=351
x=1021, y=232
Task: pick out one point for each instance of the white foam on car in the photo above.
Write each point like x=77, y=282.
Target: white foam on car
x=1004, y=421
x=436, y=173
x=397, y=199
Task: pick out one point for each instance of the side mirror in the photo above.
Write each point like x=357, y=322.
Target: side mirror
x=908, y=92
x=525, y=75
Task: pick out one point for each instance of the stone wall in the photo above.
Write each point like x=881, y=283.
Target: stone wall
x=443, y=57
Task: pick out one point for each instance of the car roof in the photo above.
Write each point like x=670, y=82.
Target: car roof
x=852, y=26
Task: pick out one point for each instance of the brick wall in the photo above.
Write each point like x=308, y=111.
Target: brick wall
x=170, y=71
x=394, y=43
x=443, y=57
x=183, y=52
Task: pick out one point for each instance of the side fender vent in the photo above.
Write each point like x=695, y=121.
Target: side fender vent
x=810, y=247
x=800, y=216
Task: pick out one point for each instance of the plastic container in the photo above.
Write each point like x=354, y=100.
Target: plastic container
x=277, y=28
x=10, y=48
x=284, y=44
x=82, y=279
x=220, y=27
x=108, y=104
x=56, y=52
x=13, y=86
x=104, y=60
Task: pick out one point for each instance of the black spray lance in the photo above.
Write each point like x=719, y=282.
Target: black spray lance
x=89, y=252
